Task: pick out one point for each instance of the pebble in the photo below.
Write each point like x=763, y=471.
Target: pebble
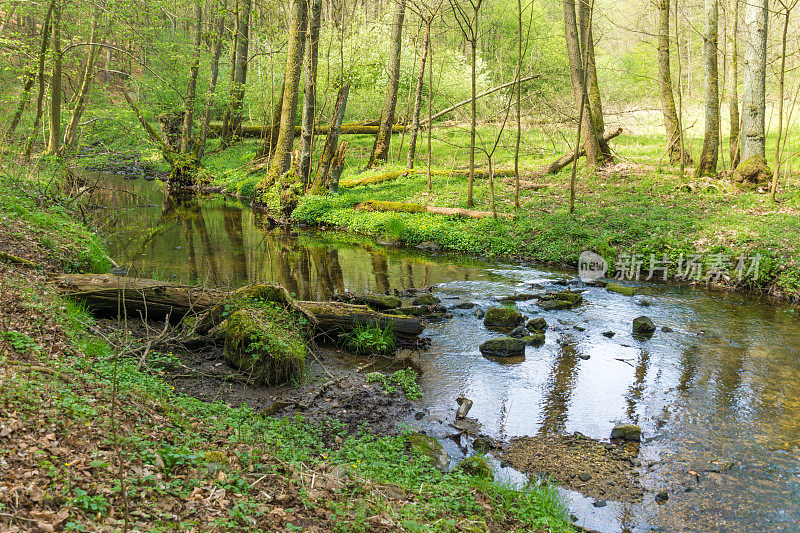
x=662, y=497
x=584, y=477
x=608, y=334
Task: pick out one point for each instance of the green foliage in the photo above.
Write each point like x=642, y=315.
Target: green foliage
x=405, y=379
x=91, y=504
x=371, y=339
x=21, y=342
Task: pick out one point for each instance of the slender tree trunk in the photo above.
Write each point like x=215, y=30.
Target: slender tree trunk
x=754, y=80
x=473, y=108
x=71, y=134
x=665, y=84
x=331, y=141
x=582, y=109
x=380, y=149
x=429, y=155
x=577, y=75
x=227, y=135
x=240, y=72
x=281, y=159
x=781, y=94
x=412, y=142
x=46, y=30
x=25, y=95
x=519, y=101
x=310, y=96
x=707, y=164
x=54, y=140
x=685, y=156
x=191, y=88
x=592, y=87
x=200, y=147
x=733, y=105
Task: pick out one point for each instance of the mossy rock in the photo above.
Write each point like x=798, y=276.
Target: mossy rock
x=503, y=347
x=753, y=173
x=620, y=289
x=628, y=432
x=502, y=318
x=537, y=339
x=572, y=297
x=414, y=310
x=643, y=325
x=555, y=305
x=426, y=299
x=267, y=344
x=215, y=456
x=536, y=324
x=378, y=302
x=428, y=446
x=476, y=466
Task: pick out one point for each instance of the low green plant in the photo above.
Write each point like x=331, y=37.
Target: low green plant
x=91, y=504
x=405, y=379
x=371, y=339
x=21, y=342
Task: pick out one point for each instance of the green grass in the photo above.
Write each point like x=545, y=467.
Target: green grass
x=371, y=339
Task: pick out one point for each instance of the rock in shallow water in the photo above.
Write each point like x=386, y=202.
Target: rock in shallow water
x=643, y=325
x=503, y=347
x=536, y=324
x=518, y=332
x=426, y=299
x=502, y=318
x=620, y=289
x=629, y=432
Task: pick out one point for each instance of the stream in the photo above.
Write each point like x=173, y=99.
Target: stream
x=722, y=388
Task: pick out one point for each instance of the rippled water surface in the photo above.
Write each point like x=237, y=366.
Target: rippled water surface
x=724, y=386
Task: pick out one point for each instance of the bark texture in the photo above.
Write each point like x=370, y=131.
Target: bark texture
x=310, y=95
x=754, y=70
x=707, y=164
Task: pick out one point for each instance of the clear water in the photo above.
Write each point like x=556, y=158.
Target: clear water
x=725, y=385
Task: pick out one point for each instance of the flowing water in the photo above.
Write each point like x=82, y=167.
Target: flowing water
x=724, y=386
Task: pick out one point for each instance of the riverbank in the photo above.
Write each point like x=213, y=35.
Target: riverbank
x=95, y=436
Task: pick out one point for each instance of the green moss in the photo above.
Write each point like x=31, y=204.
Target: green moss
x=620, y=289
x=426, y=299
x=753, y=173
x=369, y=180
x=503, y=347
x=555, y=305
x=537, y=339
x=266, y=343
x=215, y=456
x=476, y=466
x=502, y=318
x=536, y=324
x=400, y=207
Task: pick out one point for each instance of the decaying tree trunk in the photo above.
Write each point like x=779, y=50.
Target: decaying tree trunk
x=707, y=164
x=107, y=294
x=556, y=166
x=380, y=149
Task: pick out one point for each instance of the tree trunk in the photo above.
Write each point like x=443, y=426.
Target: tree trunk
x=54, y=140
x=200, y=147
x=412, y=142
x=282, y=157
x=665, y=85
x=310, y=96
x=781, y=94
x=240, y=71
x=754, y=80
x=331, y=141
x=590, y=142
x=519, y=100
x=191, y=88
x=429, y=155
x=227, y=135
x=25, y=95
x=71, y=134
x=473, y=113
x=733, y=104
x=707, y=164
x=595, y=108
x=380, y=149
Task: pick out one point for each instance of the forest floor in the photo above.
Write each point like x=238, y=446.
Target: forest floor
x=95, y=438
x=638, y=206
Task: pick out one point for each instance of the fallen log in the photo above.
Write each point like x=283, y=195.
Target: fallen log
x=556, y=166
x=107, y=294
x=355, y=128
x=402, y=207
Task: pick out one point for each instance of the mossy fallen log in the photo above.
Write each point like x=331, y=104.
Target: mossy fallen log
x=9, y=258
x=389, y=176
x=527, y=185
x=402, y=207
x=107, y=294
x=353, y=128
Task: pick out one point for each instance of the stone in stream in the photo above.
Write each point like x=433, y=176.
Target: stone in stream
x=479, y=313
x=629, y=432
x=643, y=325
x=464, y=405
x=537, y=339
x=555, y=305
x=536, y=324
x=426, y=299
x=518, y=332
x=503, y=347
x=662, y=497
x=608, y=334
x=522, y=297
x=584, y=476
x=666, y=329
x=465, y=305
x=579, y=328
x=502, y=318
x=620, y=289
